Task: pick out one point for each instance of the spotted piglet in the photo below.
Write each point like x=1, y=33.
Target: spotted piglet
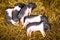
x=16, y=10
x=25, y=11
x=8, y=12
x=34, y=18
x=12, y=12
x=37, y=26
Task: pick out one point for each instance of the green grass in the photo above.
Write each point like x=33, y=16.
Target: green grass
x=50, y=8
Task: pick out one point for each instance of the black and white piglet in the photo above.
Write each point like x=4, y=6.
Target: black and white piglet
x=37, y=26
x=25, y=11
x=34, y=18
x=11, y=13
x=16, y=10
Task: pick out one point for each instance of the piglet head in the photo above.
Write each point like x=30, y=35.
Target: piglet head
x=8, y=7
x=21, y=5
x=31, y=5
x=47, y=26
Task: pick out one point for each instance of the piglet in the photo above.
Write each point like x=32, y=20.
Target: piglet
x=34, y=18
x=37, y=26
x=25, y=11
x=8, y=12
x=16, y=10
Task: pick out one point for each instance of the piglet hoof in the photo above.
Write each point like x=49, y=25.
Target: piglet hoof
x=44, y=35
x=16, y=24
x=29, y=14
x=22, y=23
x=28, y=35
x=23, y=27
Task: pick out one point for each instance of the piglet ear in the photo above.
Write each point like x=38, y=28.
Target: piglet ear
x=47, y=27
x=7, y=7
x=20, y=5
x=27, y=3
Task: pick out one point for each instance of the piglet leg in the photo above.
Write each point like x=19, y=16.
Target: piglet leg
x=43, y=33
x=29, y=33
x=30, y=12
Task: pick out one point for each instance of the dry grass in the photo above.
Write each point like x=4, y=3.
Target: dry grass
x=50, y=8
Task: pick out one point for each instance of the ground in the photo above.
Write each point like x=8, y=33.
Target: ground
x=49, y=8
